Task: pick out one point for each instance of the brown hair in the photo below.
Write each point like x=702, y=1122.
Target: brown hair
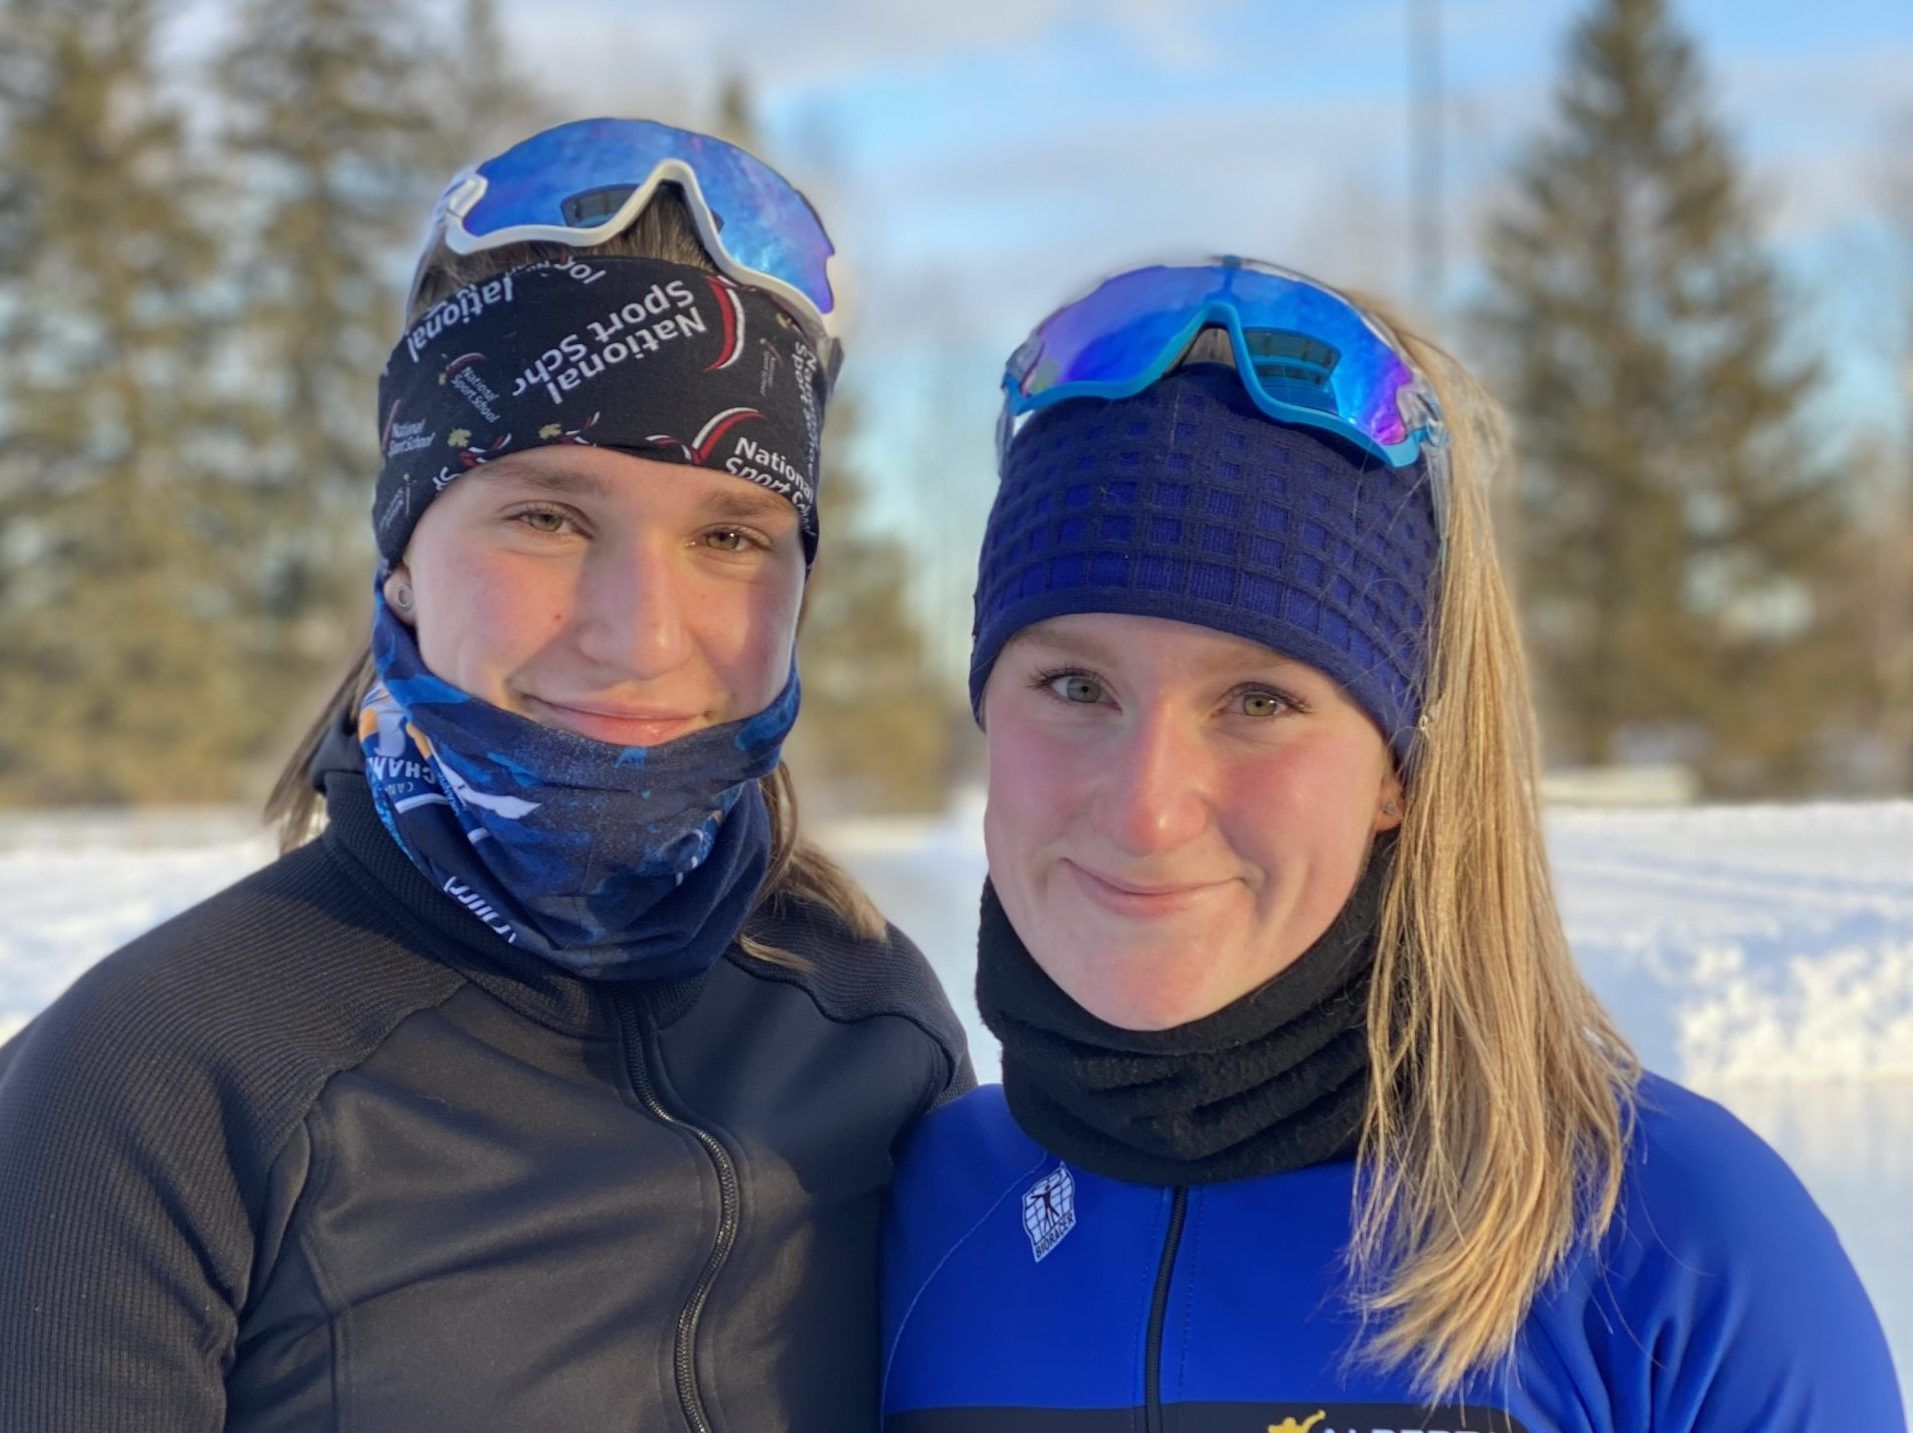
x=798, y=869
x=1502, y=1103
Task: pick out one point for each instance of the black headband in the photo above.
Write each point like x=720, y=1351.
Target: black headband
x=644, y=356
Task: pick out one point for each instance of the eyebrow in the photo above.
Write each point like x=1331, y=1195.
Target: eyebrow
x=562, y=481
x=1086, y=647
x=1090, y=649
x=743, y=503
x=734, y=502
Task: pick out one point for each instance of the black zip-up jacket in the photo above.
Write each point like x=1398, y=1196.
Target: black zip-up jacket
x=324, y=1154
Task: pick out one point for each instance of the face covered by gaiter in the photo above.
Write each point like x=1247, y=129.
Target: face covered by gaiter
x=612, y=862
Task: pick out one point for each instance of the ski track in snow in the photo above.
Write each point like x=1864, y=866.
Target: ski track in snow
x=1763, y=955
x=1749, y=946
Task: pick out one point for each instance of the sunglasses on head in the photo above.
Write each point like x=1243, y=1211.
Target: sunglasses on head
x=1305, y=354
x=584, y=182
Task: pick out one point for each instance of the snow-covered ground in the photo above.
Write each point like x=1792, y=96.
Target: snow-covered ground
x=1762, y=954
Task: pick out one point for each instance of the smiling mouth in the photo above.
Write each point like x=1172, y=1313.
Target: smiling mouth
x=1135, y=899
x=621, y=726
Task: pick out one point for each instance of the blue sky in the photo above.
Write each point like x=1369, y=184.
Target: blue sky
x=980, y=160
x=992, y=129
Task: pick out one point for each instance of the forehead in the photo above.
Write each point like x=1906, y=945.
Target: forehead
x=637, y=486
x=1120, y=640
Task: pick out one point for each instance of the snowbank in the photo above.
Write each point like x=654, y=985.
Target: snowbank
x=1737, y=946
x=1749, y=945
x=74, y=887
x=1762, y=954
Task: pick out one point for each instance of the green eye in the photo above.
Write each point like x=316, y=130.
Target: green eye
x=1262, y=704
x=543, y=520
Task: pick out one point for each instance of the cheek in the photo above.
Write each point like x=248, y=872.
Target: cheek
x=482, y=614
x=1031, y=780
x=775, y=619
x=1313, y=802
x=747, y=632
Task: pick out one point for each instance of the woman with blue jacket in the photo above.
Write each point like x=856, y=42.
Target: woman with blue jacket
x=1308, y=1123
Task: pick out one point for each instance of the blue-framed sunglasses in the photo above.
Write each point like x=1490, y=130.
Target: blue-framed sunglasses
x=583, y=182
x=1306, y=355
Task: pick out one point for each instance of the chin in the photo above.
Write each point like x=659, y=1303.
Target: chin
x=1141, y=1008
x=1145, y=982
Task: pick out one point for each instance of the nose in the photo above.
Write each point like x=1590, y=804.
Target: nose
x=634, y=613
x=1153, y=790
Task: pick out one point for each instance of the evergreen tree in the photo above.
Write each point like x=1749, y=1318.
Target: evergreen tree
x=485, y=102
x=1676, y=525
x=1889, y=597
x=111, y=579
x=335, y=145
x=188, y=357
x=875, y=730
x=1874, y=592
x=736, y=117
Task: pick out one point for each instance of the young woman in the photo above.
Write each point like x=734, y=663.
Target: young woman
x=1307, y=1121
x=555, y=1084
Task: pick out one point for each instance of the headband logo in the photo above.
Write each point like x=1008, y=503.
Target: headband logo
x=768, y=469
x=408, y=438
x=462, y=307
x=461, y=373
x=576, y=269
x=664, y=313
x=699, y=449
x=803, y=366
x=404, y=437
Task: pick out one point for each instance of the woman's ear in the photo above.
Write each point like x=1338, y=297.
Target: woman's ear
x=398, y=593
x=1389, y=802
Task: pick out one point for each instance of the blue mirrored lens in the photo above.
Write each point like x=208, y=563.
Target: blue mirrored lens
x=1311, y=356
x=578, y=175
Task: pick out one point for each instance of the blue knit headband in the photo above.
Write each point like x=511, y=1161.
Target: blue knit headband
x=1186, y=502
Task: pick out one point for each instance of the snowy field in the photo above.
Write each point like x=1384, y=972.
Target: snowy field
x=1763, y=955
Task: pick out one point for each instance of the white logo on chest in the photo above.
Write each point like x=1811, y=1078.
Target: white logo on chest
x=1049, y=1210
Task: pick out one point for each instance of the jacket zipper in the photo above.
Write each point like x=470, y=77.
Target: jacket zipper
x=1158, y=1313
x=637, y=1047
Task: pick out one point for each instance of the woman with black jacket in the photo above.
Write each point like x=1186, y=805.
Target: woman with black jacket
x=554, y=1084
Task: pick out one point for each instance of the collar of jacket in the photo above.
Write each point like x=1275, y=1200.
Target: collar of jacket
x=528, y=983
x=1278, y=1080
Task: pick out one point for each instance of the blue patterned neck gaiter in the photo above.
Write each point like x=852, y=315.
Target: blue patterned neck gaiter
x=619, y=863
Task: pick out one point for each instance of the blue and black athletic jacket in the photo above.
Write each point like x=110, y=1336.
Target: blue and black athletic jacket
x=1024, y=1295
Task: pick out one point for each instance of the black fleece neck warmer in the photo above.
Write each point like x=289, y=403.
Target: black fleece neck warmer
x=1277, y=1080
